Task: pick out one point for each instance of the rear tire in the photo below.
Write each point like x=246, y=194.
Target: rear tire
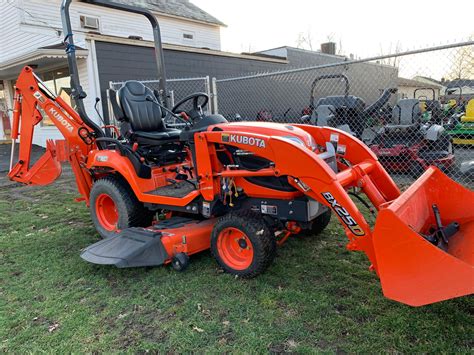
x=242, y=244
x=114, y=207
x=318, y=225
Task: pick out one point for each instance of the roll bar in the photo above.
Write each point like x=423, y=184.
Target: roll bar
x=328, y=77
x=77, y=92
x=425, y=89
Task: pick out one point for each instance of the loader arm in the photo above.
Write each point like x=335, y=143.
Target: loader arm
x=310, y=174
x=32, y=102
x=398, y=248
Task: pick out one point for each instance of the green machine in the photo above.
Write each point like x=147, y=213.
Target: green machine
x=460, y=124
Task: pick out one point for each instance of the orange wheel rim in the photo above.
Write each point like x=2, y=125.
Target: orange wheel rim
x=106, y=211
x=235, y=248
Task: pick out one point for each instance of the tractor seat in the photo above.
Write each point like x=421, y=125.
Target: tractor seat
x=136, y=108
x=406, y=113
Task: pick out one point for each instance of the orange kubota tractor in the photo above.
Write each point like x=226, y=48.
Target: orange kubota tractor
x=240, y=189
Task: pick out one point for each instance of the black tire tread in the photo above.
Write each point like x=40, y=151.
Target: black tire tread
x=319, y=224
x=252, y=222
x=137, y=214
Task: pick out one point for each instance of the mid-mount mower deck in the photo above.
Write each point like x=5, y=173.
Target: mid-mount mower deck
x=240, y=189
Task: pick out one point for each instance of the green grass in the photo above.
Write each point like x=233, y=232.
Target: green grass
x=316, y=296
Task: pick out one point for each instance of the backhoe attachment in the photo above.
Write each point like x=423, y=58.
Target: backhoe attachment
x=44, y=171
x=33, y=101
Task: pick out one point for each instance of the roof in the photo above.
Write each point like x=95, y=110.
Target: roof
x=422, y=79
x=61, y=46
x=43, y=57
x=315, y=51
x=460, y=82
x=180, y=8
x=416, y=83
x=182, y=48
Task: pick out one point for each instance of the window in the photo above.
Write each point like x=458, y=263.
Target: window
x=58, y=82
x=188, y=37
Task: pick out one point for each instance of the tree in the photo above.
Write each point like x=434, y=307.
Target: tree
x=305, y=40
x=462, y=66
x=393, y=50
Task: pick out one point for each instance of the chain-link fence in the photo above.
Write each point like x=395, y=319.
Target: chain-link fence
x=178, y=89
x=413, y=109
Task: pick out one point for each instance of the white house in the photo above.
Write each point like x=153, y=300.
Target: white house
x=416, y=87
x=31, y=34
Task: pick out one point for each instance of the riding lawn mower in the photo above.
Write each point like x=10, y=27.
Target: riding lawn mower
x=159, y=195
x=404, y=145
x=459, y=119
x=414, y=139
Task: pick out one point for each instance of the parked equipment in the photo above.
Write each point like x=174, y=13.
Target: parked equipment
x=240, y=189
x=411, y=143
x=460, y=126
x=430, y=107
x=346, y=112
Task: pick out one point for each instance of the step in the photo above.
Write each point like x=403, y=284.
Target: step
x=178, y=190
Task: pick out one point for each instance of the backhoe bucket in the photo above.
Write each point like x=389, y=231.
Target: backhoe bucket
x=412, y=269
x=43, y=172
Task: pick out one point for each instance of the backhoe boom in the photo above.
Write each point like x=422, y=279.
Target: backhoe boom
x=32, y=103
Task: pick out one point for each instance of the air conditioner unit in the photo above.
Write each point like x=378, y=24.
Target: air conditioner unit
x=90, y=22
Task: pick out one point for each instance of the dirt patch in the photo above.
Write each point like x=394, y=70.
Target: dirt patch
x=140, y=325
x=5, y=153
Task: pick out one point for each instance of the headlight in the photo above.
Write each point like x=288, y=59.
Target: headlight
x=294, y=139
x=312, y=143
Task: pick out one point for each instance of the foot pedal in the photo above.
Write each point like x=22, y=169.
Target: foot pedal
x=132, y=247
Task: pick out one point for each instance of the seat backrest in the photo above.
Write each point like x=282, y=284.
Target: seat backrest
x=469, y=116
x=323, y=114
x=350, y=101
x=139, y=108
x=406, y=112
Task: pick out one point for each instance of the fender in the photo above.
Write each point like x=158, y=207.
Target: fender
x=113, y=160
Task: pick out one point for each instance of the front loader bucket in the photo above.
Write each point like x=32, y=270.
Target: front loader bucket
x=413, y=270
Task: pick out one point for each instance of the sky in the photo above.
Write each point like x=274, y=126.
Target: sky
x=363, y=28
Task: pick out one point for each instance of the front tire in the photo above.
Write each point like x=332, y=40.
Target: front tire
x=114, y=207
x=242, y=244
x=318, y=225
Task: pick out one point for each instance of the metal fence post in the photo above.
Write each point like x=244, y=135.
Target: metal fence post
x=112, y=119
x=207, y=89
x=171, y=97
x=215, y=109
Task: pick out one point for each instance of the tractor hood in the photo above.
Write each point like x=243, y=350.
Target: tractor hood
x=287, y=131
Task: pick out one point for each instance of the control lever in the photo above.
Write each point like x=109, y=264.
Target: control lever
x=180, y=176
x=189, y=169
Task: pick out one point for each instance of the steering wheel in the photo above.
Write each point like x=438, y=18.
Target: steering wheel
x=196, y=112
